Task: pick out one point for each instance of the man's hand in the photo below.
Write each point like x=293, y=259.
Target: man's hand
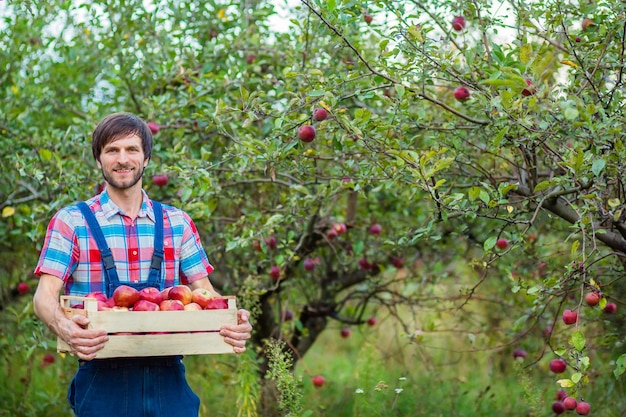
x=83, y=343
x=238, y=334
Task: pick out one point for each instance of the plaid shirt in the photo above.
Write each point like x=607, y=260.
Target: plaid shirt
x=71, y=253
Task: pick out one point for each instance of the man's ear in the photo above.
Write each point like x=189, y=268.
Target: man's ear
x=145, y=162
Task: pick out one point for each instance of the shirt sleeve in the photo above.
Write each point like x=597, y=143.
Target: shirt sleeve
x=59, y=255
x=194, y=263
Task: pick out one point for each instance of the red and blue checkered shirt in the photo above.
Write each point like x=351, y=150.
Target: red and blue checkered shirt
x=71, y=253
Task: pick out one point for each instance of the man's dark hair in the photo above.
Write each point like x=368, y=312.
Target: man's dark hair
x=116, y=126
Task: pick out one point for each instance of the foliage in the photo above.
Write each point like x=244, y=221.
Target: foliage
x=533, y=156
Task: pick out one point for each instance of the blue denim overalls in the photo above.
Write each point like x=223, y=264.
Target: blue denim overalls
x=137, y=387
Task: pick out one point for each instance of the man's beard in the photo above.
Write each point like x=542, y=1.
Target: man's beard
x=122, y=185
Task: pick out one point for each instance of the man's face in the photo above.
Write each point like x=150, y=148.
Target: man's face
x=122, y=162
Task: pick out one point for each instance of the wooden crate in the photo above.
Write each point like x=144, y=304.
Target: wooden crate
x=189, y=332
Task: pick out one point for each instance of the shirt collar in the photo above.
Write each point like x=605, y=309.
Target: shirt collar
x=109, y=208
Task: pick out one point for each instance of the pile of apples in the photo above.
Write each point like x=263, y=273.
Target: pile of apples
x=178, y=297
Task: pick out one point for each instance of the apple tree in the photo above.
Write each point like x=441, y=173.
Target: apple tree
x=337, y=159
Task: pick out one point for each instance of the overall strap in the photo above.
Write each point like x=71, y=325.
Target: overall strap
x=110, y=272
x=157, y=256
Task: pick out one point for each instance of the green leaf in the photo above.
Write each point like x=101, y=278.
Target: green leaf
x=620, y=365
x=520, y=322
x=316, y=93
x=598, y=166
x=565, y=383
x=331, y=5
x=576, y=377
x=578, y=340
x=570, y=113
x=490, y=243
x=45, y=154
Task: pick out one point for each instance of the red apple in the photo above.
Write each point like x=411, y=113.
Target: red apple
x=368, y=18
x=570, y=403
x=125, y=296
x=256, y=245
x=561, y=395
x=592, y=298
x=364, y=264
x=577, y=39
x=154, y=127
x=23, y=288
x=165, y=293
x=181, y=293
x=587, y=23
x=332, y=233
x=320, y=114
x=502, y=243
x=397, y=262
x=583, y=408
x=530, y=90
x=48, y=359
x=151, y=294
x=519, y=353
x=145, y=305
x=309, y=264
x=375, y=229
x=558, y=407
x=345, y=332
x=461, y=93
x=318, y=381
x=171, y=305
x=458, y=23
x=340, y=228
x=610, y=308
x=193, y=306
x=160, y=180
x=306, y=133
x=371, y=321
x=217, y=303
x=570, y=316
x=275, y=272
x=201, y=296
x=558, y=366
x=270, y=242
x=98, y=295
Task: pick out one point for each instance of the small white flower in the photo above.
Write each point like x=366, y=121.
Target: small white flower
x=399, y=390
x=358, y=391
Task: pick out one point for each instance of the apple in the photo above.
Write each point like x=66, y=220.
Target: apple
x=570, y=403
x=547, y=331
x=530, y=90
x=320, y=114
x=98, y=295
x=610, y=308
x=583, y=408
x=181, y=293
x=151, y=294
x=461, y=93
x=592, y=298
x=570, y=317
x=217, y=303
x=154, y=127
x=364, y=264
x=561, y=395
x=309, y=264
x=23, y=288
x=275, y=272
x=558, y=366
x=270, y=242
x=125, y=296
x=519, y=354
x=171, y=305
x=165, y=293
x=371, y=321
x=332, y=233
x=318, y=381
x=106, y=305
x=458, y=23
x=160, y=180
x=345, y=332
x=256, y=245
x=306, y=133
x=193, y=306
x=577, y=39
x=375, y=229
x=368, y=18
x=502, y=243
x=119, y=308
x=287, y=315
x=145, y=305
x=48, y=359
x=558, y=407
x=397, y=262
x=587, y=23
x=340, y=228
x=201, y=296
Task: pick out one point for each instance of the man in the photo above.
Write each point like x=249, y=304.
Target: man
x=122, y=237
